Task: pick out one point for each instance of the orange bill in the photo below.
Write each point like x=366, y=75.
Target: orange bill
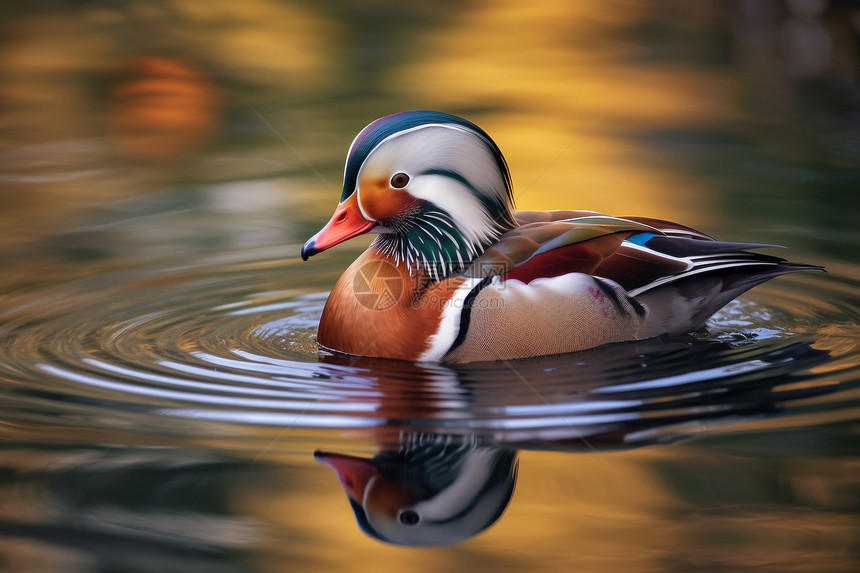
x=346, y=223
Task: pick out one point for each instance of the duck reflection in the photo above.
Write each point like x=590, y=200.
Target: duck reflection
x=433, y=490
x=447, y=463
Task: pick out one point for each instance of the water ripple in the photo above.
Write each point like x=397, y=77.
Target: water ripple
x=232, y=344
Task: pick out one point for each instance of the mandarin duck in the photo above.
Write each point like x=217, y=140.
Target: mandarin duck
x=455, y=274
x=434, y=490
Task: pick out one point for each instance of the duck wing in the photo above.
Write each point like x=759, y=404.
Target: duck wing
x=684, y=276
x=551, y=248
x=641, y=259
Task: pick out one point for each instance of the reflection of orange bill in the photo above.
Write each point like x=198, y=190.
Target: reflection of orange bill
x=354, y=473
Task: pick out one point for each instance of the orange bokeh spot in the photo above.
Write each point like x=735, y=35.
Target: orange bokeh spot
x=161, y=106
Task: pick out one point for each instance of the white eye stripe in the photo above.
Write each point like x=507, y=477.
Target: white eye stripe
x=400, y=134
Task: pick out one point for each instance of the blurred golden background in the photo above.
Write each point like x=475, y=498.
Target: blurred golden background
x=736, y=115
x=170, y=129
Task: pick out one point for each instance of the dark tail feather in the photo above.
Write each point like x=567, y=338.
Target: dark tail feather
x=745, y=278
x=683, y=306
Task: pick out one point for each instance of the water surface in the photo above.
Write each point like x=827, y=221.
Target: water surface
x=162, y=392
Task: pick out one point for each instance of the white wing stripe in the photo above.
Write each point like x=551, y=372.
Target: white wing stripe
x=696, y=271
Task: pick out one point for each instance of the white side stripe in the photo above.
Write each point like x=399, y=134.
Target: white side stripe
x=449, y=326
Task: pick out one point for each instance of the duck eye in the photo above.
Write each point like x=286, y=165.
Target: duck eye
x=408, y=517
x=399, y=180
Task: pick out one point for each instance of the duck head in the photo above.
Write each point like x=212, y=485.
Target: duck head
x=433, y=186
x=430, y=495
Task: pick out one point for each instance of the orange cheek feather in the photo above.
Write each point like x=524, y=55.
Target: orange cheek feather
x=388, y=497
x=380, y=202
